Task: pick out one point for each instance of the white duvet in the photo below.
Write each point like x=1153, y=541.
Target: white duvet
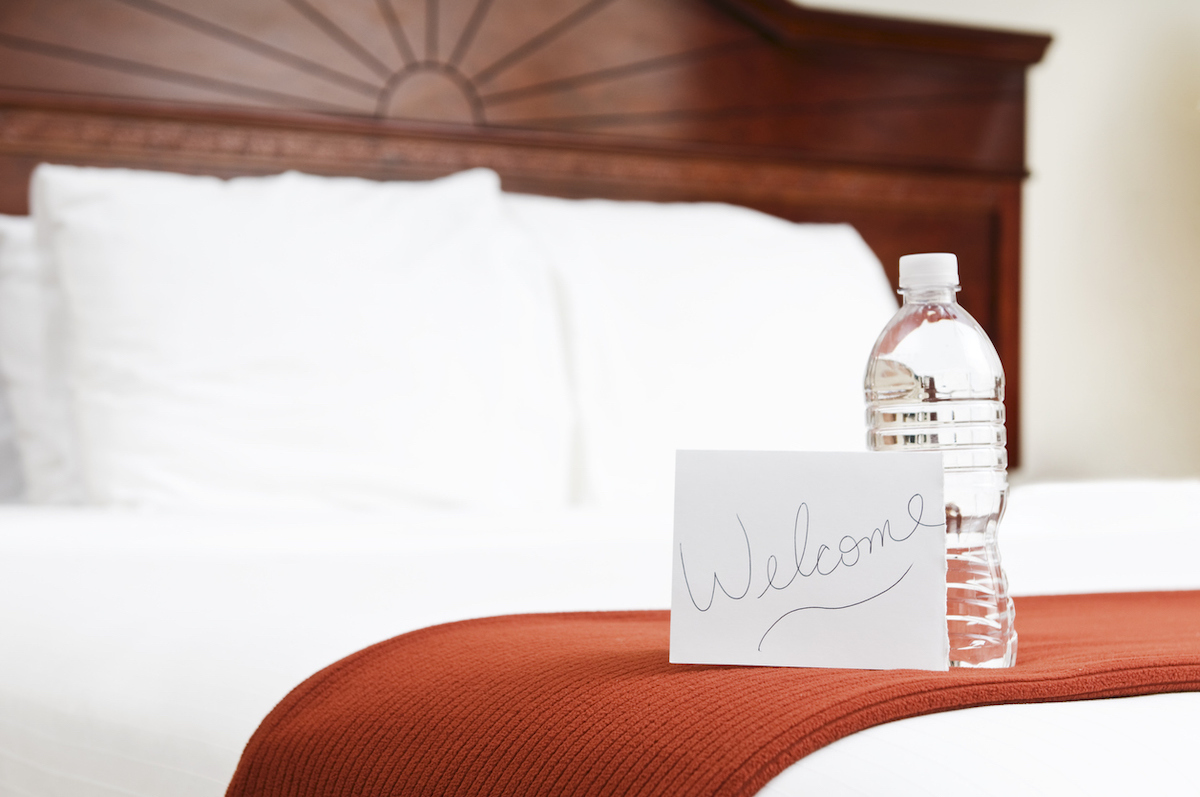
x=139, y=652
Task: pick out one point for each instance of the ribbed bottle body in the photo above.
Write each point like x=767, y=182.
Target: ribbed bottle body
x=934, y=383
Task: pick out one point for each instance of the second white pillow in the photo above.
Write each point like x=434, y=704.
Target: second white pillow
x=706, y=326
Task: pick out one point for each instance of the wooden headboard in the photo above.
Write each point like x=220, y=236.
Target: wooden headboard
x=912, y=132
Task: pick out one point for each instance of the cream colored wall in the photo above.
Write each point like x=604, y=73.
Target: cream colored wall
x=1111, y=296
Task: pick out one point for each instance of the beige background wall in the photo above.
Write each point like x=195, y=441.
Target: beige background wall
x=1112, y=231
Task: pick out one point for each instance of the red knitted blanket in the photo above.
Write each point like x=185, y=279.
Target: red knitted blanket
x=575, y=704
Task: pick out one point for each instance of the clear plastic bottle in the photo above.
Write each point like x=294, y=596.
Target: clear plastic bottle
x=934, y=383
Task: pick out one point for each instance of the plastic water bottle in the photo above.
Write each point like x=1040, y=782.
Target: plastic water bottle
x=934, y=383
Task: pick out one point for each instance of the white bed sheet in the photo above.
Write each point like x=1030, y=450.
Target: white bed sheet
x=139, y=652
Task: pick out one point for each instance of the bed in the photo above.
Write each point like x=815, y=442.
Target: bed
x=185, y=557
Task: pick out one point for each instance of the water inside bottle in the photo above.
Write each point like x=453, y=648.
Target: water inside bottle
x=935, y=389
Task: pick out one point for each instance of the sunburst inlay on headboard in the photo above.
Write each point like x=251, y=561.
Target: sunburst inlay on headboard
x=516, y=63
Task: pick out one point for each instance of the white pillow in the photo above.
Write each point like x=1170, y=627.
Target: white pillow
x=707, y=326
x=12, y=484
x=16, y=243
x=32, y=371
x=294, y=342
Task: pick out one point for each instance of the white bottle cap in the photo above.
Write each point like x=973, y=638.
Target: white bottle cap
x=927, y=269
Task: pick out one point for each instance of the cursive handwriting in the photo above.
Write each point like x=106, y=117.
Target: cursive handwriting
x=844, y=606
x=716, y=579
x=825, y=561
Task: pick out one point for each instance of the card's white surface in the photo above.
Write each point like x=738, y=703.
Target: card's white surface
x=809, y=559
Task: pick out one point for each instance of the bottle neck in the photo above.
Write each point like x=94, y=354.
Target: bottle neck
x=929, y=294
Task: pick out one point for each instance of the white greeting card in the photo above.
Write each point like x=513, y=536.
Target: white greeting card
x=804, y=559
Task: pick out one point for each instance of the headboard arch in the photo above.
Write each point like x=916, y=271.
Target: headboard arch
x=912, y=132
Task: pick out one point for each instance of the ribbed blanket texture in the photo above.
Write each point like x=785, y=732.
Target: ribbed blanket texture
x=587, y=704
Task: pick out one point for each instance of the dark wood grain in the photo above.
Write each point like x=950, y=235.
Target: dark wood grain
x=912, y=132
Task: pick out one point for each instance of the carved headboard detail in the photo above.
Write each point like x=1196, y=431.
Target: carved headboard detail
x=913, y=132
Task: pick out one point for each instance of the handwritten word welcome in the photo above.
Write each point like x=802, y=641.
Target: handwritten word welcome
x=850, y=552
